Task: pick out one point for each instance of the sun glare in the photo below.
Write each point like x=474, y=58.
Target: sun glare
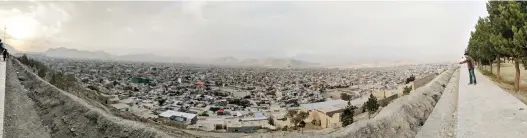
x=21, y=27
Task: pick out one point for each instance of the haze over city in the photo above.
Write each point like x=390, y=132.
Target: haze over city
x=321, y=32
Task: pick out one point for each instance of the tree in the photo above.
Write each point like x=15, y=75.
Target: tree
x=372, y=105
x=42, y=72
x=407, y=89
x=513, y=37
x=480, y=47
x=497, y=28
x=347, y=115
x=291, y=113
x=410, y=79
x=297, y=116
x=270, y=120
x=345, y=97
x=161, y=102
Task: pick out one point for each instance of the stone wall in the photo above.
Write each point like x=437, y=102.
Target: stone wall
x=423, y=81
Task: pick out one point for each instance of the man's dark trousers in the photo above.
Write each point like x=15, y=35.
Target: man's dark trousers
x=472, y=76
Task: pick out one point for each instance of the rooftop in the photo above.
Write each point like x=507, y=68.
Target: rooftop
x=170, y=113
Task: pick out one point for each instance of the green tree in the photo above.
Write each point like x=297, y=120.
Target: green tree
x=161, y=102
x=42, y=72
x=497, y=28
x=345, y=97
x=480, y=46
x=296, y=116
x=512, y=38
x=347, y=115
x=270, y=120
x=372, y=105
x=407, y=89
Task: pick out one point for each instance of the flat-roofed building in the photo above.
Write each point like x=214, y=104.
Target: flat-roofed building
x=327, y=113
x=182, y=117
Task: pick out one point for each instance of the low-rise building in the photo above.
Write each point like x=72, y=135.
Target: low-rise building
x=182, y=117
x=244, y=126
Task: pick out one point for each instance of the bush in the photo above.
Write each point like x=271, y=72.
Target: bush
x=58, y=79
x=347, y=115
x=204, y=114
x=372, y=104
x=270, y=121
x=407, y=89
x=284, y=128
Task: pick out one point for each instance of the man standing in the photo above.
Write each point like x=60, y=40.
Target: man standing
x=1, y=45
x=470, y=65
x=5, y=54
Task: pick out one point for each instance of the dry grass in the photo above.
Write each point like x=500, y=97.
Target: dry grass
x=507, y=84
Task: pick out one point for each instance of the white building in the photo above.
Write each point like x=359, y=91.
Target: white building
x=182, y=117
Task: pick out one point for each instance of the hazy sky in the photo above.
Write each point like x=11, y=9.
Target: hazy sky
x=313, y=31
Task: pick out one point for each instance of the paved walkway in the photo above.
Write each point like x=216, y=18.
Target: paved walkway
x=487, y=111
x=2, y=95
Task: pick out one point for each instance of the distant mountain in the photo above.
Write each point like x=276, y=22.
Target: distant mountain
x=226, y=60
x=75, y=54
x=80, y=54
x=268, y=62
x=374, y=63
x=231, y=61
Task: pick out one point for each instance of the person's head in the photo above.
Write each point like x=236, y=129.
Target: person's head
x=466, y=55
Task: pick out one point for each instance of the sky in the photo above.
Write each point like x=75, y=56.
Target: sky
x=322, y=32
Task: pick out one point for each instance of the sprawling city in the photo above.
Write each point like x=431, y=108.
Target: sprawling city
x=239, y=99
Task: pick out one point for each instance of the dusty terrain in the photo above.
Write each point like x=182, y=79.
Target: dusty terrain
x=507, y=73
x=21, y=119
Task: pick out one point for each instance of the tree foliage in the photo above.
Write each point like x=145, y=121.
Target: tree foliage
x=345, y=97
x=372, y=105
x=407, y=89
x=347, y=115
x=502, y=34
x=57, y=78
x=296, y=116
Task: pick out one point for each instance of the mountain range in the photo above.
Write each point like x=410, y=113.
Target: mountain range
x=228, y=61
x=266, y=62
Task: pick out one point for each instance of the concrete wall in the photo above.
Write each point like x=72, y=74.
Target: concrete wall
x=423, y=81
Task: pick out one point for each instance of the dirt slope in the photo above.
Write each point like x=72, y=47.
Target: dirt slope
x=21, y=119
x=65, y=115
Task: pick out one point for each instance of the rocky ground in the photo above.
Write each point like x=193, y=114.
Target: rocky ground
x=42, y=110
x=21, y=119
